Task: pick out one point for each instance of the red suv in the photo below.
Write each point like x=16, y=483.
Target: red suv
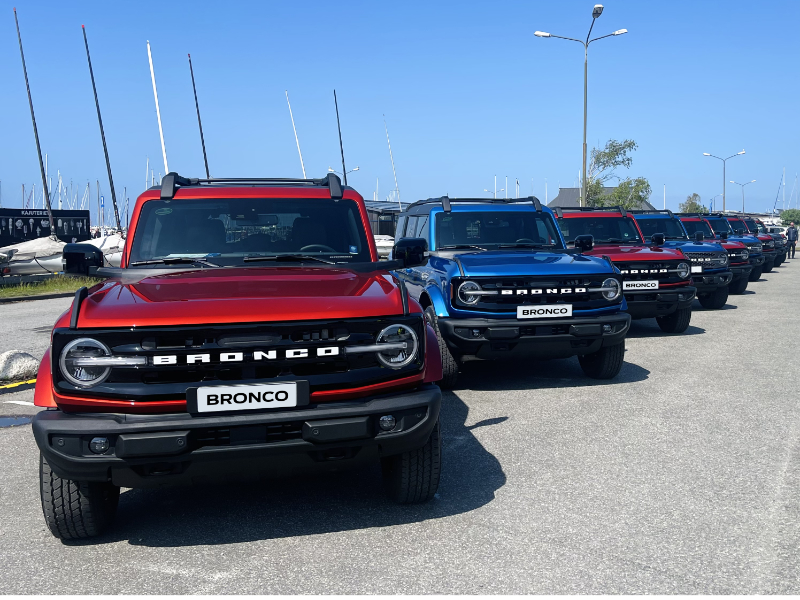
x=249, y=330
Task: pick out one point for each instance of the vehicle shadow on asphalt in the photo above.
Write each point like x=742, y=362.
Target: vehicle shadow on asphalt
x=645, y=328
x=310, y=505
x=697, y=307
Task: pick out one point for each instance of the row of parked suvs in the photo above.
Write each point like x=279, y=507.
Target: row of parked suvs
x=251, y=328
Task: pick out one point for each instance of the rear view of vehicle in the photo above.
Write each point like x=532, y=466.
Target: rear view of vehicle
x=656, y=280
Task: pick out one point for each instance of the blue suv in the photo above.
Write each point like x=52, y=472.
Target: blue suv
x=500, y=282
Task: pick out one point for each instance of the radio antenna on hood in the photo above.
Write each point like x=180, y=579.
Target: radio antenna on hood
x=341, y=146
x=36, y=135
x=102, y=133
x=199, y=122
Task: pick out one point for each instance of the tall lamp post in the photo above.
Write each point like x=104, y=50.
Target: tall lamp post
x=724, y=160
x=712, y=201
x=742, y=185
x=596, y=12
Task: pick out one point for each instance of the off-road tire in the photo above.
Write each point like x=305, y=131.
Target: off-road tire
x=677, y=322
x=768, y=268
x=76, y=509
x=606, y=363
x=779, y=260
x=755, y=274
x=716, y=299
x=738, y=287
x=449, y=362
x=413, y=477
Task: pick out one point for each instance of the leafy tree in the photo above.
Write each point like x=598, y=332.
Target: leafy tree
x=791, y=215
x=630, y=193
x=693, y=205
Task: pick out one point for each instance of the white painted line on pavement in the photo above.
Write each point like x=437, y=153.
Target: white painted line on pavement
x=20, y=402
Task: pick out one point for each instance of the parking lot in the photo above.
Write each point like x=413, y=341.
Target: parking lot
x=681, y=476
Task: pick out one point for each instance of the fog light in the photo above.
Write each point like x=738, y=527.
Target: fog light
x=681, y=297
x=387, y=422
x=98, y=445
x=476, y=333
x=607, y=328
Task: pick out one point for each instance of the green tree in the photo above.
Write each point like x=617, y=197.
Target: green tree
x=790, y=215
x=693, y=204
x=629, y=193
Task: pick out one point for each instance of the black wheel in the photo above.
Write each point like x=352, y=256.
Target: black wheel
x=677, y=322
x=606, y=363
x=768, y=267
x=779, y=260
x=755, y=274
x=715, y=299
x=449, y=363
x=76, y=509
x=738, y=286
x=413, y=477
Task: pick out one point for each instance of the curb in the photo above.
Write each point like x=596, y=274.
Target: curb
x=40, y=297
x=18, y=386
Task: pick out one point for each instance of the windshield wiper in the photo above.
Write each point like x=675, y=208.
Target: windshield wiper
x=287, y=257
x=526, y=245
x=175, y=260
x=460, y=247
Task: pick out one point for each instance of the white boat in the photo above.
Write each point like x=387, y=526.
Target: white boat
x=43, y=255
x=384, y=245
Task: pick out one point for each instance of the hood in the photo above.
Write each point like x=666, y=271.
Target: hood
x=692, y=246
x=624, y=252
x=494, y=263
x=241, y=295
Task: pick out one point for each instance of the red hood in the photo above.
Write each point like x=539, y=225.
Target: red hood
x=625, y=252
x=241, y=295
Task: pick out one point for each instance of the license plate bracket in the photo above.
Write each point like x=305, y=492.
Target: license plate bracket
x=302, y=395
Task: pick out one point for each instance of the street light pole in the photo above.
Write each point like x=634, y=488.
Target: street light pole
x=596, y=12
x=742, y=186
x=724, y=161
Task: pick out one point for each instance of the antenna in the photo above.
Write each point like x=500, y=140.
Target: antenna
x=396, y=189
x=296, y=139
x=102, y=133
x=147, y=174
x=341, y=147
x=158, y=111
x=199, y=122
x=36, y=134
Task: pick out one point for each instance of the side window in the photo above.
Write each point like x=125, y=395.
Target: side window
x=401, y=226
x=422, y=228
x=411, y=227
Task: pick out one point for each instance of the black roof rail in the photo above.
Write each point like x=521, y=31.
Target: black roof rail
x=172, y=181
x=655, y=211
x=618, y=209
x=447, y=202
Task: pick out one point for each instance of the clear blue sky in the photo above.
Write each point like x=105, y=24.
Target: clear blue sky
x=467, y=90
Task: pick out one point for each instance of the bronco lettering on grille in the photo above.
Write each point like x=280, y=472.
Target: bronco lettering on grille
x=191, y=359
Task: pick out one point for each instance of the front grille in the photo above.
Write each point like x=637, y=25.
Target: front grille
x=505, y=294
x=754, y=248
x=708, y=259
x=737, y=256
x=665, y=272
x=244, y=435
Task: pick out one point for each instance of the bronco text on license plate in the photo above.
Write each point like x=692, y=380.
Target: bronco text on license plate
x=544, y=311
x=639, y=285
x=220, y=398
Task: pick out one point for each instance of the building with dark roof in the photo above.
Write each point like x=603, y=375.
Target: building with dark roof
x=569, y=197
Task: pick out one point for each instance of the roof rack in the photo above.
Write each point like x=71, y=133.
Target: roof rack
x=447, y=202
x=172, y=181
x=655, y=211
x=559, y=210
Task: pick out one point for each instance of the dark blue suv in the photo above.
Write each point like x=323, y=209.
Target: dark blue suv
x=501, y=283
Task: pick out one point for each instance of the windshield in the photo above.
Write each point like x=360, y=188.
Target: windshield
x=493, y=229
x=226, y=232
x=693, y=227
x=752, y=226
x=671, y=228
x=719, y=224
x=737, y=226
x=604, y=229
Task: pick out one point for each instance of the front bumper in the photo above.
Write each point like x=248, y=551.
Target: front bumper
x=651, y=304
x=769, y=259
x=710, y=282
x=149, y=450
x=545, y=338
x=740, y=271
x=757, y=261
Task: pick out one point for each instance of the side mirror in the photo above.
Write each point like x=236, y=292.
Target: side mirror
x=699, y=236
x=584, y=243
x=723, y=235
x=412, y=252
x=82, y=259
x=658, y=239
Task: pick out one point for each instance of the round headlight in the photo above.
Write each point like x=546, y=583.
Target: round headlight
x=403, y=346
x=464, y=292
x=82, y=375
x=745, y=254
x=614, y=291
x=723, y=259
x=683, y=270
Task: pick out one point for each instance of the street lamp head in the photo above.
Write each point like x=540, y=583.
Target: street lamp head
x=597, y=10
x=706, y=154
x=356, y=169
x=738, y=153
x=753, y=181
x=330, y=170
x=620, y=32
x=541, y=34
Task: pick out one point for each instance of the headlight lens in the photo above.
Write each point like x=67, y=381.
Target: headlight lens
x=615, y=289
x=464, y=292
x=683, y=270
x=398, y=356
x=723, y=259
x=745, y=255
x=81, y=375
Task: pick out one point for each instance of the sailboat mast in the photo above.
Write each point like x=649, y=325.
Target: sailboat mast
x=199, y=122
x=158, y=110
x=396, y=189
x=296, y=139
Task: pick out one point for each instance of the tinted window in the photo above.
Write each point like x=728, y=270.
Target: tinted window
x=422, y=228
x=671, y=228
x=738, y=226
x=227, y=230
x=495, y=228
x=604, y=229
x=693, y=227
x=411, y=226
x=718, y=224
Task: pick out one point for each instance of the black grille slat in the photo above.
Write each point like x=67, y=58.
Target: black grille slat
x=633, y=271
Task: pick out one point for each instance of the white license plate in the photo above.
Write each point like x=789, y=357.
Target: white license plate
x=544, y=311
x=221, y=398
x=639, y=285
x=697, y=268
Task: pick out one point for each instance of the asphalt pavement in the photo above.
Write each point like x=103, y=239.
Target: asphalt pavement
x=682, y=476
